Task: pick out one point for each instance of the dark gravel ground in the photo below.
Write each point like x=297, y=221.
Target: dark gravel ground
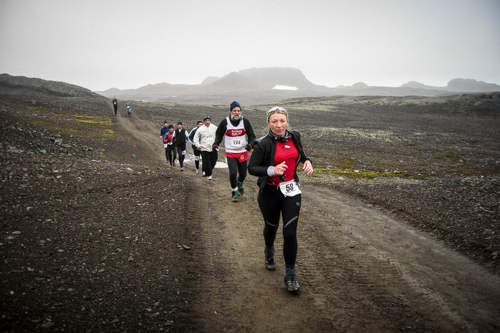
x=88, y=242
x=84, y=222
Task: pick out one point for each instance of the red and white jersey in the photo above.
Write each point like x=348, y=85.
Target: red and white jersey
x=236, y=139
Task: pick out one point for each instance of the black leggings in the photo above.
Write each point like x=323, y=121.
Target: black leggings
x=170, y=154
x=236, y=167
x=181, y=151
x=208, y=161
x=197, y=154
x=272, y=203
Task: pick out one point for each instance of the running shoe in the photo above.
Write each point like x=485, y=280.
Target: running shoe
x=203, y=174
x=240, y=188
x=269, y=255
x=197, y=171
x=209, y=177
x=235, y=196
x=182, y=168
x=292, y=285
x=270, y=264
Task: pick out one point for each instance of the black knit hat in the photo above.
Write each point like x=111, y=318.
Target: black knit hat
x=233, y=105
x=198, y=122
x=205, y=118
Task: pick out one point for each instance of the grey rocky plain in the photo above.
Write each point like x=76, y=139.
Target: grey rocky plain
x=99, y=235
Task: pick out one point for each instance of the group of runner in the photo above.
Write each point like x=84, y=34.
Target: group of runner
x=115, y=106
x=274, y=160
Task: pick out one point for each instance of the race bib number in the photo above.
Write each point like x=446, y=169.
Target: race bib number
x=236, y=142
x=165, y=145
x=290, y=189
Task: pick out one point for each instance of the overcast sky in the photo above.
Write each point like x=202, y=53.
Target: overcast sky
x=100, y=44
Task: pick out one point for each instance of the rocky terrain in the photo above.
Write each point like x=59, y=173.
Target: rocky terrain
x=99, y=235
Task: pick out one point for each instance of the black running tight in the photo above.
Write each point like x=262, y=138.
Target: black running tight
x=236, y=167
x=272, y=204
x=170, y=154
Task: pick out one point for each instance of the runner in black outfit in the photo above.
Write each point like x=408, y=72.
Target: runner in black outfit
x=181, y=136
x=275, y=159
x=115, y=105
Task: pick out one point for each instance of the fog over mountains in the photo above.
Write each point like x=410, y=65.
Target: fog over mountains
x=264, y=85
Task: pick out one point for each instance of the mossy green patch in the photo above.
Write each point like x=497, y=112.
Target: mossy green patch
x=89, y=126
x=357, y=173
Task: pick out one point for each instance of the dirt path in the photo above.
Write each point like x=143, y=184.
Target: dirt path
x=361, y=269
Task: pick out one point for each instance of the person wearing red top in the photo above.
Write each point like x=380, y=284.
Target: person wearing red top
x=168, y=143
x=274, y=160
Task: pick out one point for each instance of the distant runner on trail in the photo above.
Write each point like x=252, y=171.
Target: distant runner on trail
x=181, y=136
x=164, y=129
x=274, y=160
x=204, y=139
x=168, y=144
x=163, y=132
x=196, y=151
x=115, y=105
x=239, y=139
x=128, y=107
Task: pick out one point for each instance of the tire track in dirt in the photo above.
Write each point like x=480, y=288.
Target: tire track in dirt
x=360, y=268
x=399, y=273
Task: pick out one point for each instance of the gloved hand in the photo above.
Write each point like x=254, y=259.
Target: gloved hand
x=248, y=147
x=215, y=147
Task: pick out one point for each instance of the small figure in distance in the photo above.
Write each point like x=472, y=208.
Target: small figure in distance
x=196, y=151
x=128, y=108
x=181, y=136
x=168, y=144
x=115, y=105
x=204, y=140
x=163, y=132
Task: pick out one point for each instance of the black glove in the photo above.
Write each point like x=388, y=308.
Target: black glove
x=248, y=147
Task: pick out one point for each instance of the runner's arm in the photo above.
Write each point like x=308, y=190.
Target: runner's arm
x=256, y=159
x=221, y=130
x=249, y=131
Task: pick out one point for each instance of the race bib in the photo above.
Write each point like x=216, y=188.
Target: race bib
x=290, y=189
x=165, y=145
x=236, y=142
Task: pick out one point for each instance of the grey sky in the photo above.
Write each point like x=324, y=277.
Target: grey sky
x=100, y=44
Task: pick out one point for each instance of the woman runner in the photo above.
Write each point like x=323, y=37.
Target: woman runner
x=274, y=160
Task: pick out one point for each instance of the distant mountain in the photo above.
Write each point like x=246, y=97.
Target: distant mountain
x=233, y=82
x=417, y=85
x=268, y=78
x=250, y=86
x=21, y=85
x=470, y=85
